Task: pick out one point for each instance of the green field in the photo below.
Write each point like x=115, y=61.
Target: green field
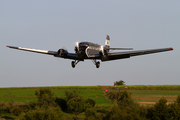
x=140, y=93
x=27, y=95
x=145, y=95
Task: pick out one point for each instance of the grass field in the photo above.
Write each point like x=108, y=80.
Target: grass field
x=27, y=94
x=145, y=95
x=154, y=95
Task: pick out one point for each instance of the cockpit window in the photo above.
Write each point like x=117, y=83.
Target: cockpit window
x=83, y=44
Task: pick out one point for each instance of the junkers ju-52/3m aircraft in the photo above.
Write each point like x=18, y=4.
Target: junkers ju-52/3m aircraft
x=88, y=50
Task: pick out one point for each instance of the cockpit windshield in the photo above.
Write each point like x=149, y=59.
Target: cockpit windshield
x=84, y=44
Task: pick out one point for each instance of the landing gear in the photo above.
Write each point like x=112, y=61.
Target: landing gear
x=96, y=63
x=73, y=63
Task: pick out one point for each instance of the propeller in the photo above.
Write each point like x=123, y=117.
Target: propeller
x=64, y=47
x=102, y=50
x=76, y=49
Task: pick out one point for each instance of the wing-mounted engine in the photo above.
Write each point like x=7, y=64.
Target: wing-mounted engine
x=62, y=53
x=103, y=54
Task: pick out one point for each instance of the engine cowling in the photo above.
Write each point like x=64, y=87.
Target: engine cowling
x=76, y=49
x=62, y=53
x=103, y=55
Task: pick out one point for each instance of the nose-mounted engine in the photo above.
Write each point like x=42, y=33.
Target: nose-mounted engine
x=76, y=49
x=80, y=48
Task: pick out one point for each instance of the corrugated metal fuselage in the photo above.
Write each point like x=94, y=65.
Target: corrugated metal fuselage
x=89, y=50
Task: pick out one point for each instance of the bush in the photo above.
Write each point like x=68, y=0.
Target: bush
x=3, y=107
x=91, y=114
x=117, y=96
x=61, y=103
x=76, y=105
x=45, y=97
x=120, y=82
x=70, y=95
x=91, y=102
x=123, y=114
x=178, y=100
x=174, y=111
x=41, y=113
x=32, y=105
x=127, y=109
x=16, y=110
x=159, y=111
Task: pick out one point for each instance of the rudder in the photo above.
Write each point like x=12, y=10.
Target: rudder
x=107, y=43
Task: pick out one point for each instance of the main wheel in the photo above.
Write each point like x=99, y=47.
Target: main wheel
x=73, y=64
x=98, y=64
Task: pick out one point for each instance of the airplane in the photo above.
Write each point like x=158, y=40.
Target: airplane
x=89, y=50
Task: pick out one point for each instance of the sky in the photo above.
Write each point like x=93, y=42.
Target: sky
x=51, y=25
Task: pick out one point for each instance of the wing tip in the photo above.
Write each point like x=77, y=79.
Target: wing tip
x=171, y=48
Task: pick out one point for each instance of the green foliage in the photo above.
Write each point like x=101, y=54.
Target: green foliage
x=70, y=95
x=134, y=112
x=61, y=103
x=118, y=96
x=16, y=110
x=163, y=111
x=178, y=100
x=4, y=108
x=91, y=102
x=159, y=111
x=120, y=82
x=47, y=106
x=77, y=105
x=32, y=105
x=113, y=95
x=127, y=109
x=45, y=97
x=174, y=111
x=124, y=95
x=91, y=114
x=41, y=113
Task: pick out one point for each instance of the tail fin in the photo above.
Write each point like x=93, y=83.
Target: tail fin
x=107, y=43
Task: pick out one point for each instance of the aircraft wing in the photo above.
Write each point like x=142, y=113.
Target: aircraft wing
x=34, y=50
x=73, y=56
x=122, y=55
x=119, y=48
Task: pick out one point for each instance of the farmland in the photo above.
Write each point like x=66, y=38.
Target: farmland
x=12, y=98
x=139, y=93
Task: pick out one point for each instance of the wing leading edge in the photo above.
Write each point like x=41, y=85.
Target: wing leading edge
x=34, y=50
x=122, y=55
x=72, y=56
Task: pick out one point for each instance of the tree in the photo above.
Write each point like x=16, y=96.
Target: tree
x=61, y=103
x=120, y=82
x=41, y=113
x=77, y=105
x=118, y=96
x=45, y=97
x=70, y=95
x=91, y=102
x=159, y=111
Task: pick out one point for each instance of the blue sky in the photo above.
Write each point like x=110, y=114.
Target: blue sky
x=49, y=25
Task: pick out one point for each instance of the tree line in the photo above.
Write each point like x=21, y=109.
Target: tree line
x=48, y=107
